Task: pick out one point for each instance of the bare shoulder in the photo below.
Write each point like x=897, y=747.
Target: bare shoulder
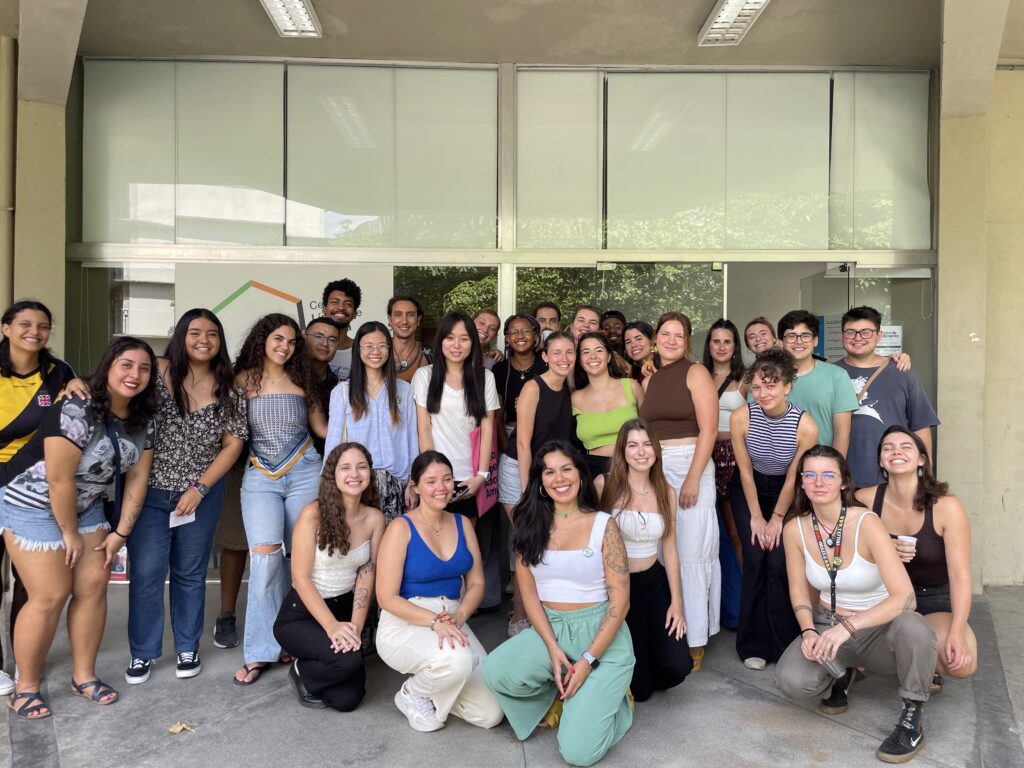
x=866, y=496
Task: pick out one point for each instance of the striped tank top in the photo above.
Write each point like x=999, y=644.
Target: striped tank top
x=770, y=442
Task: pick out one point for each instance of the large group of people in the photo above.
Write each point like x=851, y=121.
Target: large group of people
x=651, y=499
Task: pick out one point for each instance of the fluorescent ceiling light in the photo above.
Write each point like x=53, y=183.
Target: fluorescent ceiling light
x=293, y=18
x=729, y=21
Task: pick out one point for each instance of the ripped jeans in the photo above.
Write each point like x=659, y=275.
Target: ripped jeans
x=270, y=509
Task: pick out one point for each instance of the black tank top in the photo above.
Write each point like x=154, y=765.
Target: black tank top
x=928, y=568
x=552, y=420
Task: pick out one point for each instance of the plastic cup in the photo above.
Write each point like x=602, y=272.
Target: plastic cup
x=833, y=667
x=911, y=540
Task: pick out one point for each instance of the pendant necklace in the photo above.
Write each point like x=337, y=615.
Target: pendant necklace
x=565, y=515
x=522, y=373
x=404, y=363
x=831, y=540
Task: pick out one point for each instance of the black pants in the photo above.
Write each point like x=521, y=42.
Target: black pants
x=338, y=678
x=662, y=662
x=767, y=624
x=18, y=596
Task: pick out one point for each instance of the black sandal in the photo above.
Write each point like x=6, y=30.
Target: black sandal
x=26, y=710
x=258, y=667
x=99, y=690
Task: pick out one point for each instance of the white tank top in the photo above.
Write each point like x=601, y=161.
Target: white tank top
x=335, y=574
x=727, y=403
x=859, y=585
x=574, y=575
x=641, y=531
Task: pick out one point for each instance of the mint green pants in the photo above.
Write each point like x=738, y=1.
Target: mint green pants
x=598, y=716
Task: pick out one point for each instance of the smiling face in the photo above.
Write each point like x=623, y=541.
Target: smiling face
x=457, y=346
x=594, y=358
x=639, y=450
x=520, y=336
x=404, y=319
x=321, y=342
x=770, y=395
x=673, y=341
x=822, y=479
x=560, y=356
x=638, y=346
x=722, y=345
x=28, y=332
x=799, y=341
x=612, y=328
x=860, y=337
x=341, y=308
x=586, y=320
x=486, y=328
x=373, y=350
x=202, y=340
x=436, y=486
x=547, y=319
x=760, y=338
x=352, y=474
x=560, y=479
x=281, y=344
x=899, y=455
x=129, y=374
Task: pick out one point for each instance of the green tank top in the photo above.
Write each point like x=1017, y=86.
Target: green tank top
x=599, y=428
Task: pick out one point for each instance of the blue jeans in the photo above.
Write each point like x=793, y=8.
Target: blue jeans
x=270, y=509
x=152, y=548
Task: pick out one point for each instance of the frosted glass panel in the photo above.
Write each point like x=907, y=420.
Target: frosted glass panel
x=558, y=174
x=341, y=156
x=777, y=161
x=880, y=197
x=666, y=160
x=230, y=178
x=447, y=158
x=128, y=152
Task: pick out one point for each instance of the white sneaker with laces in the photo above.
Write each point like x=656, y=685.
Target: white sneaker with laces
x=6, y=683
x=419, y=711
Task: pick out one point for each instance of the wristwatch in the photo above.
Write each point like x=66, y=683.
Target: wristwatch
x=591, y=660
x=202, y=488
x=485, y=475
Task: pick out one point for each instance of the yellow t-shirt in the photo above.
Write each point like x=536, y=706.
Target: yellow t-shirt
x=24, y=401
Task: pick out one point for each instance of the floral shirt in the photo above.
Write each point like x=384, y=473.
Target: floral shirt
x=187, y=445
x=76, y=420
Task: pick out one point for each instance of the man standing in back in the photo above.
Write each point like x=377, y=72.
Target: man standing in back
x=341, y=303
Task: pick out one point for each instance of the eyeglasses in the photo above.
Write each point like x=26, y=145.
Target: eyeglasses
x=791, y=337
x=319, y=338
x=864, y=333
x=519, y=332
x=382, y=348
x=826, y=477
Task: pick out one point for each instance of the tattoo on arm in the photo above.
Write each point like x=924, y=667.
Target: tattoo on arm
x=362, y=598
x=366, y=569
x=798, y=608
x=610, y=613
x=614, y=550
x=911, y=605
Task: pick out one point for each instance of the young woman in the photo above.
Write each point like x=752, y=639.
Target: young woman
x=282, y=477
x=56, y=530
x=865, y=615
x=522, y=362
x=430, y=581
x=682, y=409
x=643, y=505
x=759, y=335
x=487, y=324
x=602, y=402
x=914, y=505
x=200, y=429
x=455, y=397
x=769, y=435
x=31, y=380
x=638, y=340
x=321, y=619
x=572, y=568
x=375, y=408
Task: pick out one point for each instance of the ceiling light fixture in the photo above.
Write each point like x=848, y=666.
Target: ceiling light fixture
x=729, y=21
x=293, y=18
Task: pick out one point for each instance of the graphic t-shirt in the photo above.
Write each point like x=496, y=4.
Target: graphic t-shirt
x=893, y=398
x=341, y=365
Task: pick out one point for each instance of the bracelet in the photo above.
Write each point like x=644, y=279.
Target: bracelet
x=847, y=625
x=433, y=623
x=809, y=629
x=122, y=535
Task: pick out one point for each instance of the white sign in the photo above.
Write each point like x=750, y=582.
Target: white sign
x=891, y=342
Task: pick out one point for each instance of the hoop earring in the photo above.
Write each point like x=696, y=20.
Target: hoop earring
x=544, y=493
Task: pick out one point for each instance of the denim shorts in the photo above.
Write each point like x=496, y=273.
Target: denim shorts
x=933, y=599
x=508, y=480
x=36, y=530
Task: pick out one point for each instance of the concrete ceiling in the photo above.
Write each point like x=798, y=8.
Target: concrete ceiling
x=900, y=33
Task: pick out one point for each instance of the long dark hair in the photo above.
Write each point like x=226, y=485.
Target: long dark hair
x=423, y=461
x=220, y=366
x=616, y=486
x=254, y=351
x=736, y=363
x=533, y=515
x=357, y=377
x=142, y=406
x=580, y=378
x=647, y=330
x=472, y=369
x=45, y=356
x=803, y=504
x=333, y=531
x=929, y=489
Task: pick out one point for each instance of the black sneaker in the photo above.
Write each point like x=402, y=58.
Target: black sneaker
x=907, y=738
x=838, y=701
x=937, y=683
x=306, y=698
x=224, y=633
x=138, y=671
x=189, y=664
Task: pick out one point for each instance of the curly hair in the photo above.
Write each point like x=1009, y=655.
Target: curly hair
x=333, y=532
x=45, y=356
x=774, y=365
x=142, y=406
x=253, y=354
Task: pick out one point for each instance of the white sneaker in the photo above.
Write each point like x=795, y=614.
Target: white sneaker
x=419, y=711
x=755, y=662
x=6, y=683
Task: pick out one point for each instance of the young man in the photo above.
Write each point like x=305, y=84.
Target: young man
x=321, y=341
x=613, y=325
x=886, y=395
x=586, y=319
x=821, y=389
x=487, y=324
x=549, y=318
x=341, y=303
x=405, y=314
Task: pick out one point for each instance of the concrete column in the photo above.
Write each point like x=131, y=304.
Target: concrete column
x=8, y=78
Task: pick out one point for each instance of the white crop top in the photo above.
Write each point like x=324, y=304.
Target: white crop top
x=727, y=403
x=641, y=531
x=575, y=575
x=859, y=585
x=335, y=574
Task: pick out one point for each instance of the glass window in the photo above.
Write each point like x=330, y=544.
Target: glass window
x=447, y=289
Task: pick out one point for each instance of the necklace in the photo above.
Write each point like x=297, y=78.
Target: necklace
x=565, y=515
x=405, y=361
x=269, y=380
x=830, y=541
x=438, y=529
x=522, y=372
x=646, y=492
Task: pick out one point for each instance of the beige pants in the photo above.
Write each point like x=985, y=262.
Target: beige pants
x=450, y=677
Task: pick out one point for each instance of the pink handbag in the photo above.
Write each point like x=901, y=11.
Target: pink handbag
x=487, y=496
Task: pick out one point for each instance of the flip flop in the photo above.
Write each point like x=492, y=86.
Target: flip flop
x=257, y=668
x=26, y=710
x=99, y=690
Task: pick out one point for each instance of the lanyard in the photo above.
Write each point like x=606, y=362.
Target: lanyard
x=832, y=566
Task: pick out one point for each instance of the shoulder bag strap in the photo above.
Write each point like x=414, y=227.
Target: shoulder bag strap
x=864, y=390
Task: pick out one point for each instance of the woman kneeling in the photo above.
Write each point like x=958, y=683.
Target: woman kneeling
x=866, y=615
x=572, y=568
x=321, y=619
